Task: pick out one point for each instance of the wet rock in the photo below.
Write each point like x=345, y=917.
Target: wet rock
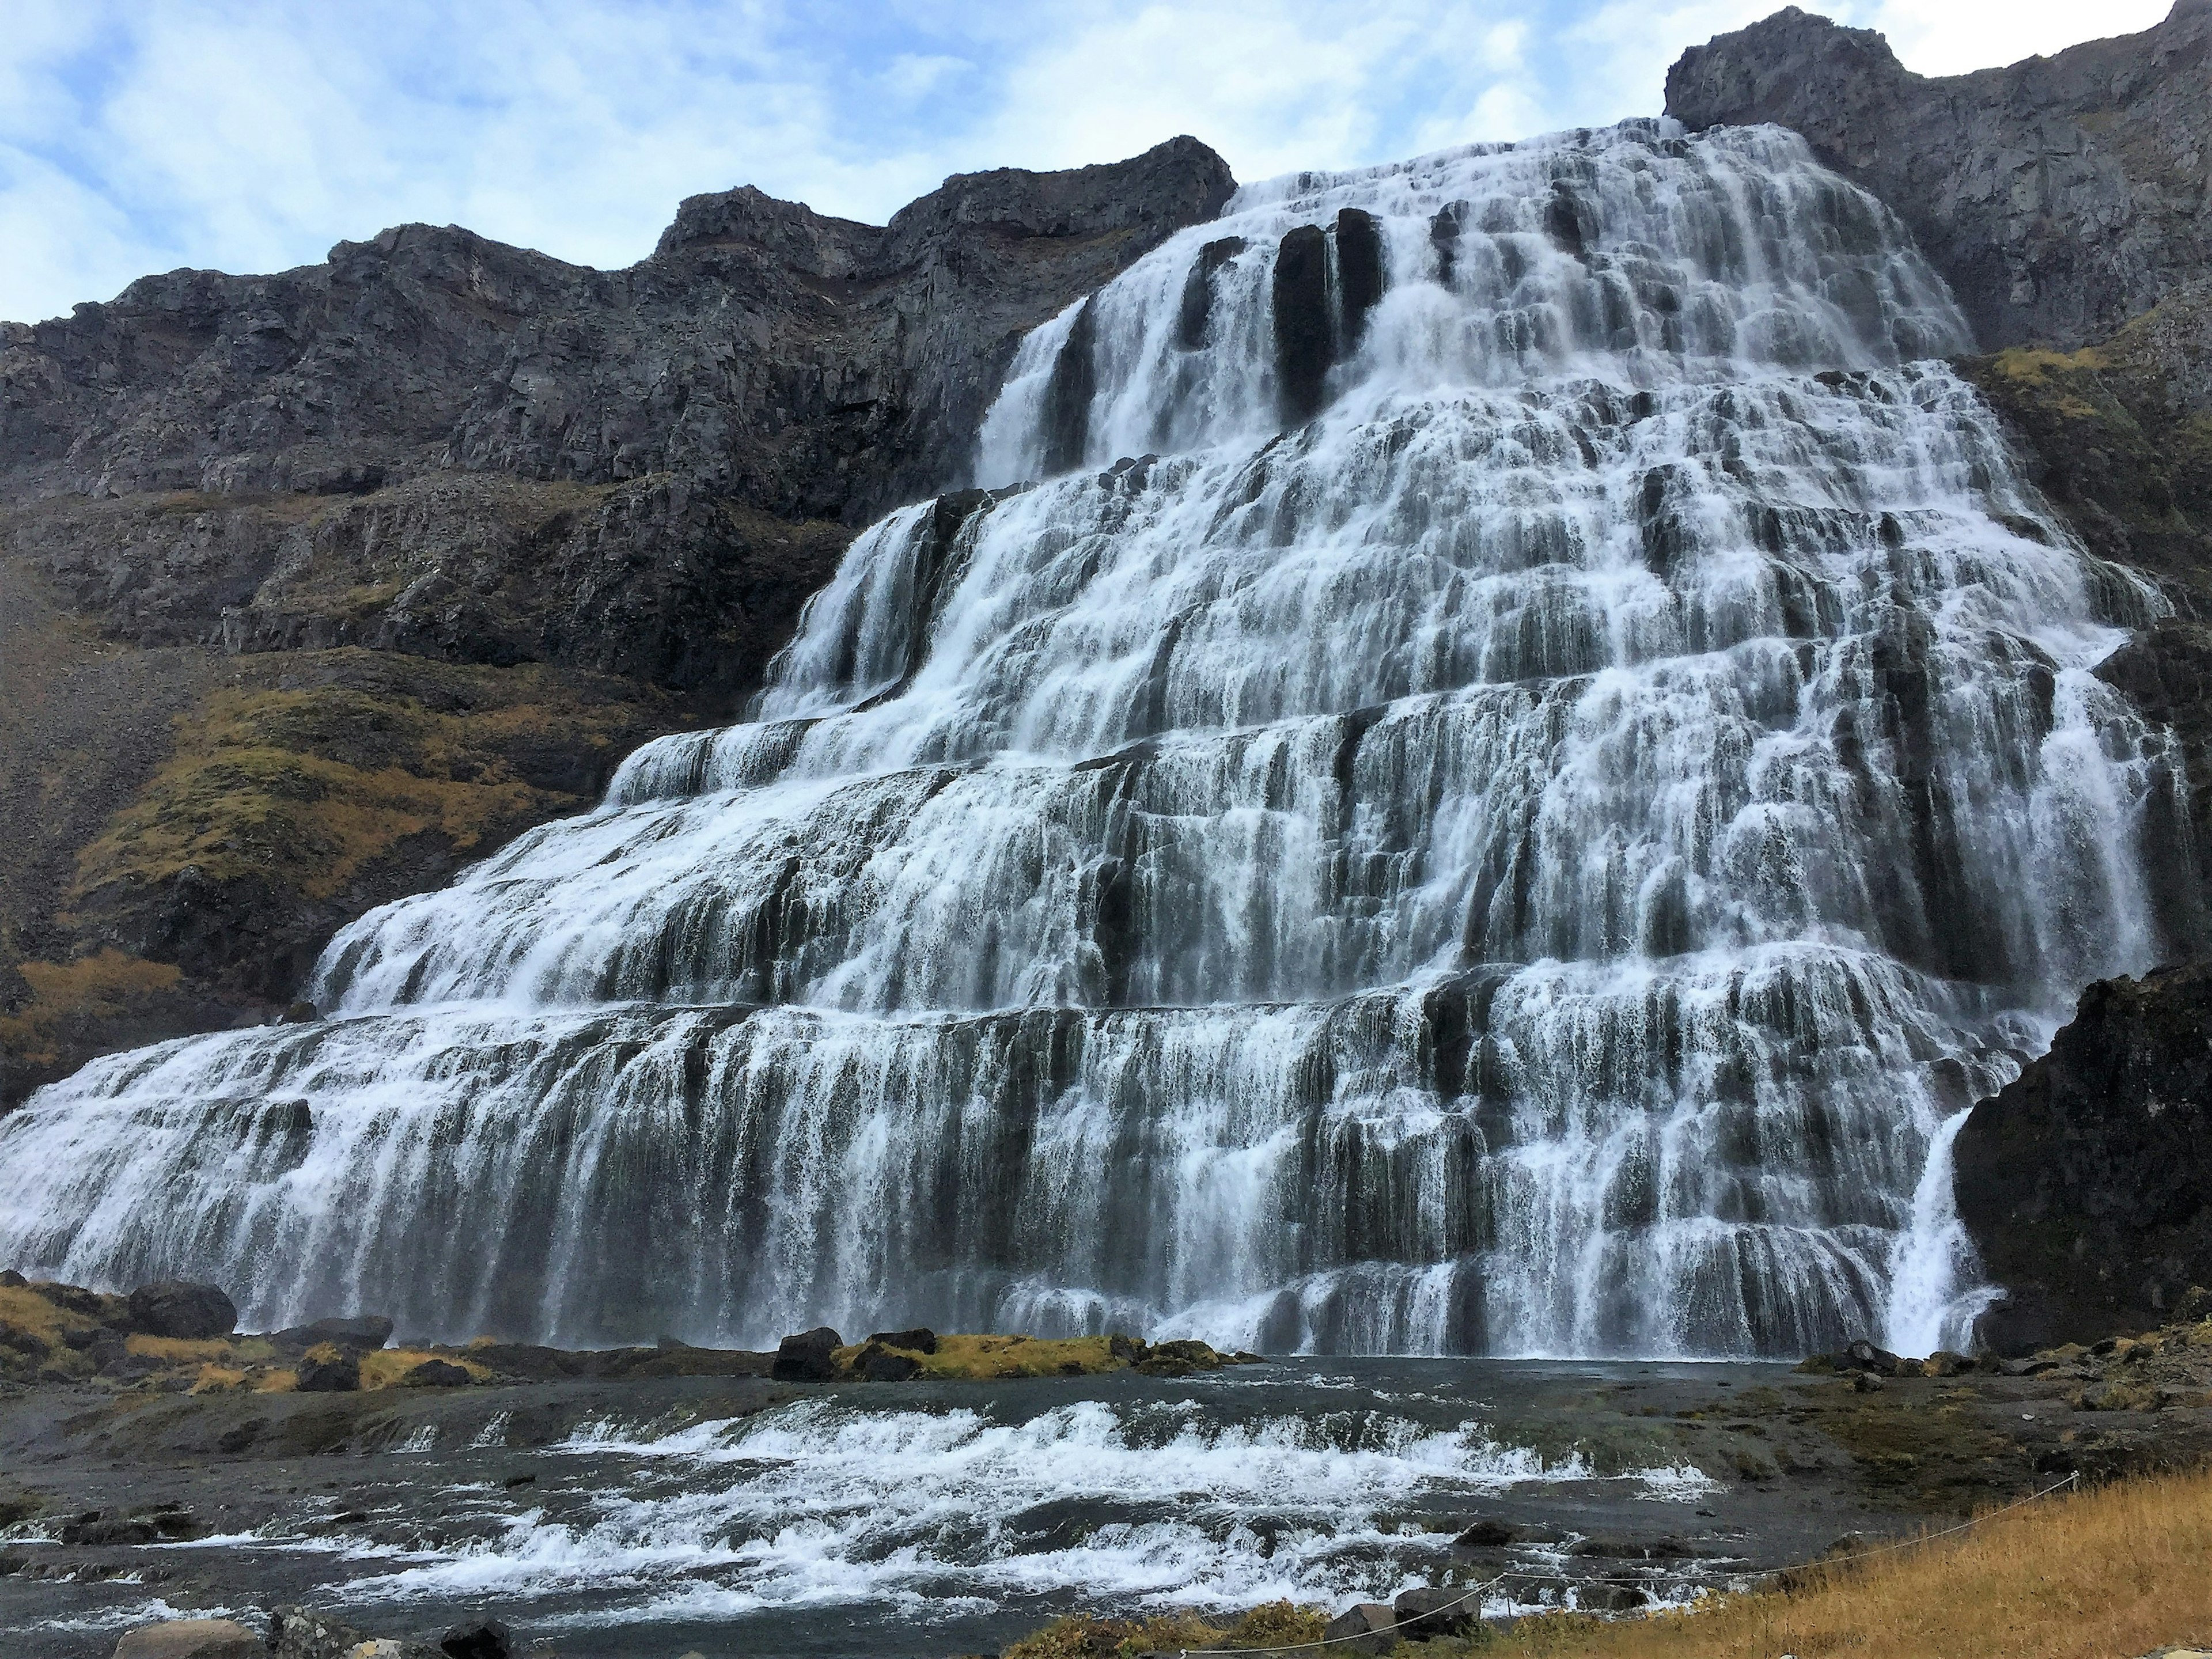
x=1430, y=1612
x=1485, y=1535
x=1194, y=321
x=877, y=1364
x=480, y=1638
x=920, y=1339
x=436, y=1374
x=175, y=1308
x=1178, y=1357
x=191, y=1639
x=1304, y=341
x=328, y=1369
x=1611, y=1596
x=12, y=1281
x=806, y=1357
x=363, y=1334
x=1363, y=1627
x=99, y=1529
x=1125, y=1349
x=1360, y=271
x=1068, y=393
x=1864, y=1356
x=2086, y=1183
x=1943, y=1363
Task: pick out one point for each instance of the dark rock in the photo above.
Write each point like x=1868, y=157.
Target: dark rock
x=1127, y=1349
x=191, y=1639
x=363, y=1334
x=1304, y=340
x=1865, y=1357
x=1430, y=1612
x=1360, y=271
x=1485, y=1535
x=12, y=1281
x=2085, y=1184
x=436, y=1374
x=73, y=1297
x=479, y=1638
x=1943, y=1363
x=1068, y=393
x=2058, y=196
x=1611, y=1597
x=920, y=1339
x=877, y=1364
x=328, y=1369
x=173, y=1308
x=806, y=1358
x=99, y=1528
x=1178, y=1357
x=1193, y=321
x=1363, y=1627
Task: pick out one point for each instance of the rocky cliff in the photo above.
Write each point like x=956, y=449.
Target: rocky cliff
x=2087, y=1183
x=2059, y=196
x=314, y=586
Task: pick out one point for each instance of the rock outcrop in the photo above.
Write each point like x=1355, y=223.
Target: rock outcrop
x=2085, y=1184
x=316, y=586
x=2059, y=196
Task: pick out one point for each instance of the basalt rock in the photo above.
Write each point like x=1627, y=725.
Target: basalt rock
x=2085, y=1184
x=2059, y=196
x=555, y=483
x=361, y=1334
x=807, y=1357
x=194, y=1312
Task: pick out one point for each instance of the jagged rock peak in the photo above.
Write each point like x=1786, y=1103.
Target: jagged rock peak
x=2060, y=196
x=1176, y=183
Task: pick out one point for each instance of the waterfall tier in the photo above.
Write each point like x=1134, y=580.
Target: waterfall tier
x=1528, y=753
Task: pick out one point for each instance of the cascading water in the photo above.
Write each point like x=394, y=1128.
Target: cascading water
x=1509, y=826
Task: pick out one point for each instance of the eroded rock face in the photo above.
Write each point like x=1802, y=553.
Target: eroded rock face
x=2087, y=1183
x=2059, y=196
x=318, y=586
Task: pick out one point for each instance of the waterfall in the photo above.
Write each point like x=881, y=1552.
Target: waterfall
x=1500, y=747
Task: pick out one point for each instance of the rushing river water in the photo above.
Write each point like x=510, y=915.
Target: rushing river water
x=1528, y=753
x=925, y=1519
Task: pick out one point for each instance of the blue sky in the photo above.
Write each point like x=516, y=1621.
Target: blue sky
x=249, y=135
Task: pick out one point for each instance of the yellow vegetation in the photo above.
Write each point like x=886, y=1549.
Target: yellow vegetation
x=2054, y=377
x=384, y=1368
x=100, y=987
x=2104, y=1575
x=980, y=1359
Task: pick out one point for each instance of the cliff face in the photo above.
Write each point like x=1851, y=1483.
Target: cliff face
x=2087, y=1183
x=315, y=586
x=2059, y=196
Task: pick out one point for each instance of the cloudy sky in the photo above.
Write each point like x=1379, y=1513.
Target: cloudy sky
x=249, y=135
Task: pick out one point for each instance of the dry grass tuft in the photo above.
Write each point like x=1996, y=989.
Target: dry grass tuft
x=2105, y=1574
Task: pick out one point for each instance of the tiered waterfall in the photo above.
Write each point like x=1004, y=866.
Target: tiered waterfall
x=1502, y=751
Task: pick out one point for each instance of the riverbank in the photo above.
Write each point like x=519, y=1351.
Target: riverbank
x=641, y=1511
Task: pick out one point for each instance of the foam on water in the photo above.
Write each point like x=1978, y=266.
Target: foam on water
x=958, y=1510
x=1565, y=755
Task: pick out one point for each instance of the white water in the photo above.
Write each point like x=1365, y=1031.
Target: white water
x=1523, y=861
x=955, y=1511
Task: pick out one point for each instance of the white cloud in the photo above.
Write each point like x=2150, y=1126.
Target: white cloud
x=251, y=134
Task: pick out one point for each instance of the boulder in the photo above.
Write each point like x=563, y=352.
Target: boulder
x=328, y=1369
x=1363, y=1627
x=12, y=1281
x=191, y=1639
x=173, y=1308
x=480, y=1638
x=1432, y=1611
x=1179, y=1358
x=362, y=1333
x=436, y=1374
x=806, y=1358
x=877, y=1364
x=96, y=1529
x=919, y=1339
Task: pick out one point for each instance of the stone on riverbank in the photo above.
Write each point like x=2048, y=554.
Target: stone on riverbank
x=191, y=1639
x=192, y=1313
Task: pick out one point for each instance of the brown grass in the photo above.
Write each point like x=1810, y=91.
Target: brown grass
x=99, y=987
x=2106, y=1574
x=960, y=1358
x=385, y=1367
